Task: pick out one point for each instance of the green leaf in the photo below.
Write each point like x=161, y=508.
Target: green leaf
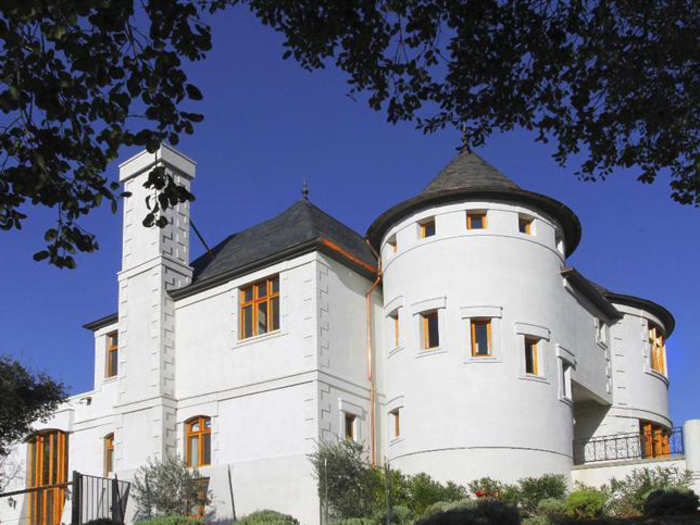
x=40, y=256
x=193, y=92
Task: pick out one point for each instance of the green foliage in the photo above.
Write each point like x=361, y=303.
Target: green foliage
x=268, y=517
x=550, y=510
x=167, y=488
x=424, y=491
x=444, y=506
x=170, y=520
x=586, y=503
x=103, y=521
x=26, y=398
x=343, y=474
x=672, y=501
x=356, y=521
x=630, y=493
x=79, y=80
x=585, y=75
x=483, y=512
x=533, y=490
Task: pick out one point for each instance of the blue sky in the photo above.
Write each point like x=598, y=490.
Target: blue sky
x=268, y=124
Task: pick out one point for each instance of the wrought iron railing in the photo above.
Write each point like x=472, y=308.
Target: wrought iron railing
x=629, y=446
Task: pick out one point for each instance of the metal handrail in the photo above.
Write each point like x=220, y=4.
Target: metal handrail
x=626, y=447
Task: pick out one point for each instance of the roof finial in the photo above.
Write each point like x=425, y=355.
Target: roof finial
x=305, y=190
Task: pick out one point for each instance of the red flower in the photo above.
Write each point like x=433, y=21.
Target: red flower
x=479, y=493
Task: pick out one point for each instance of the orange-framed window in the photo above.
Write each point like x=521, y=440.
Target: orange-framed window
x=481, y=337
x=350, y=420
x=200, y=496
x=393, y=246
x=198, y=441
x=109, y=454
x=426, y=228
x=394, y=318
x=525, y=224
x=531, y=357
x=112, y=354
x=260, y=307
x=430, y=329
x=47, y=466
x=655, y=439
x=476, y=220
x=657, y=349
x=396, y=419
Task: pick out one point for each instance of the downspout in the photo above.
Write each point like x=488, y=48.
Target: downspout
x=370, y=355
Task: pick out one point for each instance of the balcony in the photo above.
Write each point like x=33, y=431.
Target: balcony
x=635, y=446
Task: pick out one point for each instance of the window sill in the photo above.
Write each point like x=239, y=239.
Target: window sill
x=110, y=379
x=258, y=338
x=395, y=350
x=432, y=351
x=534, y=378
x=395, y=441
x=482, y=359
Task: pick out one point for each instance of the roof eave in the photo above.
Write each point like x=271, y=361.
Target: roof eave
x=584, y=286
x=102, y=322
x=664, y=315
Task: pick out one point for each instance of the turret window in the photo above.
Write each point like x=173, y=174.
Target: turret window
x=391, y=243
x=430, y=330
x=350, y=420
x=476, y=220
x=426, y=228
x=657, y=349
x=525, y=224
x=531, y=356
x=481, y=338
x=109, y=454
x=395, y=423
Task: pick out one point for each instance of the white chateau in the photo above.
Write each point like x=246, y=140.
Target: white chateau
x=466, y=348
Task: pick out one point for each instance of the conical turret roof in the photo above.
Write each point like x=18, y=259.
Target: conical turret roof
x=469, y=177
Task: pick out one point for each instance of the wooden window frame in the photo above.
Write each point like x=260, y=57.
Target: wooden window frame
x=189, y=433
x=657, y=350
x=423, y=230
x=351, y=419
x=425, y=323
x=654, y=439
x=528, y=221
x=396, y=415
x=392, y=244
x=471, y=215
x=109, y=454
x=57, y=442
x=473, y=324
x=254, y=303
x=112, y=349
x=534, y=343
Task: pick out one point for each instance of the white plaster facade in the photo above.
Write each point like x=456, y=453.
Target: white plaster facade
x=272, y=398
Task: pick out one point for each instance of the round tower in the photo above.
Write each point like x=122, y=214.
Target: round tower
x=481, y=337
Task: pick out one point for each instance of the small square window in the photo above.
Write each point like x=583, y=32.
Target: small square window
x=431, y=332
x=393, y=247
x=396, y=422
x=476, y=220
x=350, y=426
x=525, y=224
x=531, y=361
x=427, y=228
x=481, y=337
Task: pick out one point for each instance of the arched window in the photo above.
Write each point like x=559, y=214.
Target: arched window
x=109, y=454
x=198, y=441
x=47, y=466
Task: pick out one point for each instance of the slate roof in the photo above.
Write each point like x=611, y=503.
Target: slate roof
x=302, y=227
x=469, y=177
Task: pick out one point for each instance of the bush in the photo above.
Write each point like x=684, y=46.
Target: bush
x=673, y=501
x=423, y=491
x=103, y=521
x=534, y=490
x=268, y=517
x=444, y=506
x=630, y=494
x=485, y=512
x=586, y=504
x=170, y=520
x=488, y=488
x=400, y=515
x=550, y=510
x=356, y=521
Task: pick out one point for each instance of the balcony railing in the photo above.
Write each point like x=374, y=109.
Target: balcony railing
x=629, y=446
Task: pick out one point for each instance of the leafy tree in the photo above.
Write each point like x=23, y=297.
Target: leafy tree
x=616, y=80
x=26, y=399
x=168, y=488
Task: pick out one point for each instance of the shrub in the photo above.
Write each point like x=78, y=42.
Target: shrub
x=488, y=488
x=550, y=510
x=103, y=521
x=170, y=520
x=356, y=521
x=423, y=491
x=400, y=515
x=444, y=506
x=673, y=501
x=484, y=512
x=630, y=493
x=268, y=517
x=534, y=490
x=586, y=503
x=167, y=488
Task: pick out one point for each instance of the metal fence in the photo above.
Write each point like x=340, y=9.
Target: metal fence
x=91, y=497
x=628, y=446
